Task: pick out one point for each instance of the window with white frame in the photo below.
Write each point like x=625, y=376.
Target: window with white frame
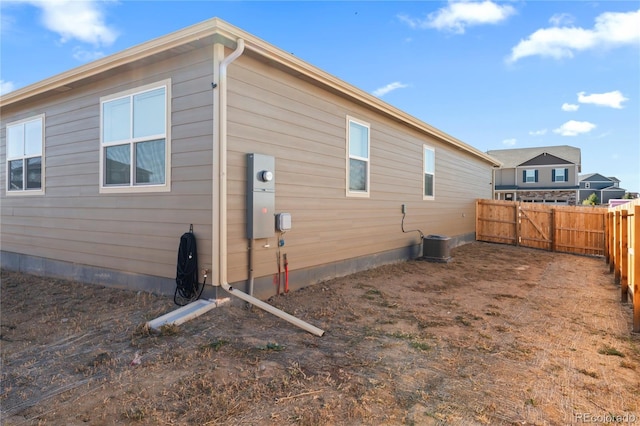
x=25, y=162
x=560, y=175
x=529, y=175
x=358, y=169
x=429, y=172
x=135, y=143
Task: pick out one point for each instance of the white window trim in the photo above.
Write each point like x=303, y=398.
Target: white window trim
x=166, y=187
x=424, y=166
x=26, y=192
x=349, y=192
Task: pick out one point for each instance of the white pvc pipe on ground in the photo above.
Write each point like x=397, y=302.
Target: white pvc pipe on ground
x=273, y=310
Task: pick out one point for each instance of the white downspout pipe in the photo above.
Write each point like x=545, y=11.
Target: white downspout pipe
x=222, y=158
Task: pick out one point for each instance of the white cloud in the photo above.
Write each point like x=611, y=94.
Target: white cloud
x=561, y=19
x=611, y=29
x=6, y=87
x=540, y=132
x=80, y=20
x=509, y=142
x=574, y=128
x=389, y=88
x=610, y=99
x=458, y=15
x=570, y=107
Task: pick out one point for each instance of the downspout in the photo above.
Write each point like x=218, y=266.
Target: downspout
x=222, y=158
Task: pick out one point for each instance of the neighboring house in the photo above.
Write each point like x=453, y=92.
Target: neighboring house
x=106, y=165
x=546, y=174
x=605, y=188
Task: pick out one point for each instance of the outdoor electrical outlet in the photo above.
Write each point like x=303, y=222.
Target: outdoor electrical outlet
x=404, y=209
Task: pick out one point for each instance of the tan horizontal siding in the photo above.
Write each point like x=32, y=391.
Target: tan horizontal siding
x=136, y=233
x=269, y=112
x=304, y=129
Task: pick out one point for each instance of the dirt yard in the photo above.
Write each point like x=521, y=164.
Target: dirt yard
x=499, y=335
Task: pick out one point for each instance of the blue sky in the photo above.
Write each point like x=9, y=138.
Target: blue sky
x=511, y=74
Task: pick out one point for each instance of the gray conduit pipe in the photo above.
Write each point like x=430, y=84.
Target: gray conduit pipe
x=223, y=204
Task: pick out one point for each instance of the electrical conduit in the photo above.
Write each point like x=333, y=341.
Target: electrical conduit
x=223, y=203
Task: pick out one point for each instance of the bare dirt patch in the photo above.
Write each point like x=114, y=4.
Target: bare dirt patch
x=500, y=335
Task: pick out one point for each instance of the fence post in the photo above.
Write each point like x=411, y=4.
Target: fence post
x=612, y=239
x=636, y=267
x=618, y=243
x=607, y=231
x=477, y=218
x=552, y=231
x=624, y=256
x=516, y=207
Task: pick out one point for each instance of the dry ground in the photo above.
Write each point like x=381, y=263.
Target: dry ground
x=500, y=335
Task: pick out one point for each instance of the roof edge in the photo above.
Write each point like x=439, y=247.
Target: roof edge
x=131, y=54
x=278, y=55
x=227, y=35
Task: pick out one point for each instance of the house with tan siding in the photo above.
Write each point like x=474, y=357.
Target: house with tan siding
x=105, y=166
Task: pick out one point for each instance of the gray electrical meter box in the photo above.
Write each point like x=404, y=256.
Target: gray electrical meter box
x=261, y=195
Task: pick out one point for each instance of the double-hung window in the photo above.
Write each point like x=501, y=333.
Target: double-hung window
x=560, y=175
x=135, y=141
x=25, y=162
x=529, y=176
x=358, y=159
x=429, y=173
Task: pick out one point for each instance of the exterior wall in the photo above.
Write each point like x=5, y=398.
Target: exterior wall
x=131, y=239
x=604, y=188
x=611, y=194
x=586, y=193
x=511, y=186
x=504, y=177
x=596, y=185
x=72, y=224
x=304, y=128
x=545, y=176
x=603, y=195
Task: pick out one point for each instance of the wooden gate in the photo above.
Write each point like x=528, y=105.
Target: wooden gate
x=569, y=229
x=535, y=222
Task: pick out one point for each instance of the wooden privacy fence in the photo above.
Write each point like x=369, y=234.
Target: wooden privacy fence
x=568, y=229
x=613, y=233
x=623, y=252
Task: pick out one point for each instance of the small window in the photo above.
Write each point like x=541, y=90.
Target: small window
x=560, y=175
x=529, y=176
x=135, y=143
x=358, y=169
x=429, y=173
x=587, y=185
x=25, y=162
